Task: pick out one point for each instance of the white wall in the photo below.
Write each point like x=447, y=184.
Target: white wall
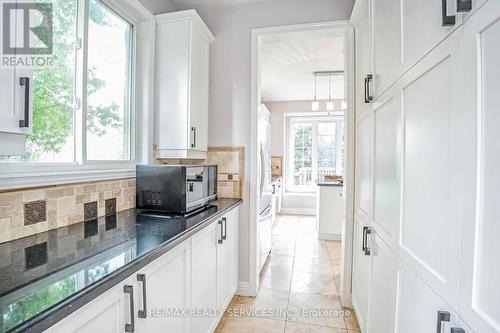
x=230, y=71
x=159, y=6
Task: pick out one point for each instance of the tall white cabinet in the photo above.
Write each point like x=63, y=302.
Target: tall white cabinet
x=427, y=201
x=182, y=85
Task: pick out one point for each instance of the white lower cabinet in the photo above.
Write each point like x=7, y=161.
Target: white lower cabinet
x=227, y=259
x=361, y=276
x=109, y=312
x=185, y=290
x=165, y=293
x=204, y=248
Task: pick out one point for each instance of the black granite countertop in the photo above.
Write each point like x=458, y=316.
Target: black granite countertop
x=329, y=183
x=47, y=276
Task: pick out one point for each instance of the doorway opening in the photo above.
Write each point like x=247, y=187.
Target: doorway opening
x=302, y=160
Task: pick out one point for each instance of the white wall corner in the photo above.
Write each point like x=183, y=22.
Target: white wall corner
x=246, y=289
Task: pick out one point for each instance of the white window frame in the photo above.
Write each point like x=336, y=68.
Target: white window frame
x=290, y=119
x=21, y=175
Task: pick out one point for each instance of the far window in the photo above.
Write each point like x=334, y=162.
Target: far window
x=316, y=150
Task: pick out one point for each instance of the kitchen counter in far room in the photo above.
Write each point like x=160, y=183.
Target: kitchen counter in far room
x=330, y=208
x=47, y=276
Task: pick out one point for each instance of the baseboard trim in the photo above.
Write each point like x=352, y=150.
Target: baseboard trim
x=245, y=289
x=298, y=211
x=332, y=237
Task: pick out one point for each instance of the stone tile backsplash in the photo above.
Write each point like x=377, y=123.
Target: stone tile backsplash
x=231, y=162
x=30, y=211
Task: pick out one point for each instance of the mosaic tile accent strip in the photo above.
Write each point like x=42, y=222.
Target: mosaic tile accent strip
x=35, y=212
x=64, y=205
x=110, y=207
x=90, y=211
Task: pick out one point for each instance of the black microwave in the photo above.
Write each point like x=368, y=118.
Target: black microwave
x=179, y=189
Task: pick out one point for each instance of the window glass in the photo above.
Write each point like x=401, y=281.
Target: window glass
x=302, y=152
x=326, y=149
x=53, y=138
x=109, y=75
x=317, y=150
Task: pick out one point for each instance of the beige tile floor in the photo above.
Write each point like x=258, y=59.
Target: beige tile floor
x=300, y=279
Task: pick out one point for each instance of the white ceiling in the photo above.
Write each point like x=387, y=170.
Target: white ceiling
x=212, y=2
x=290, y=59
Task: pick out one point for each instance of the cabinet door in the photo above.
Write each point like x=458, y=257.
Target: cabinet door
x=109, y=312
x=433, y=168
x=361, y=275
x=199, y=90
x=363, y=45
x=387, y=166
x=480, y=271
x=417, y=305
x=227, y=260
x=386, y=16
x=422, y=28
x=16, y=89
x=204, y=277
x=363, y=165
x=168, y=292
x=383, y=288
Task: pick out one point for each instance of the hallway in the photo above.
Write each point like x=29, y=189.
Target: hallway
x=299, y=286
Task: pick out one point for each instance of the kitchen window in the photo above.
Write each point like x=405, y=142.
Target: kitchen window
x=316, y=149
x=83, y=105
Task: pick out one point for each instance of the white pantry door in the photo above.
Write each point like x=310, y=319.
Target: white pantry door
x=480, y=287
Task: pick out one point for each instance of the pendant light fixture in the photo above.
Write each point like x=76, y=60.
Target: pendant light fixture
x=315, y=103
x=329, y=104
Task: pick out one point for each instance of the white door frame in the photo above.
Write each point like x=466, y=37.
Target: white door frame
x=348, y=226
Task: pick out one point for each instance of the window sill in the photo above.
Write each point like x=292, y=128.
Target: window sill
x=61, y=175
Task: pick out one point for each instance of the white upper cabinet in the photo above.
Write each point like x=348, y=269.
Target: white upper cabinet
x=432, y=168
x=364, y=165
x=182, y=85
x=480, y=288
x=387, y=165
x=16, y=116
x=386, y=43
x=361, y=21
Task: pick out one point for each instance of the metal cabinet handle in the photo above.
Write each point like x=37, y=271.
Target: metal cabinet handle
x=221, y=233
x=369, y=79
x=366, y=231
x=128, y=289
x=464, y=6
x=363, y=247
x=224, y=236
x=366, y=91
x=193, y=130
x=448, y=20
x=457, y=330
x=144, y=312
x=442, y=317
x=25, y=82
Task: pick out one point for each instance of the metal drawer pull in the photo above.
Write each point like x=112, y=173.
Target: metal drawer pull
x=447, y=20
x=464, y=6
x=193, y=144
x=369, y=79
x=130, y=327
x=221, y=233
x=224, y=236
x=367, y=232
x=144, y=312
x=442, y=317
x=25, y=82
